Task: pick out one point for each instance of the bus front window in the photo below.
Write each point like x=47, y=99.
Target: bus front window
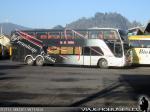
x=124, y=35
x=118, y=50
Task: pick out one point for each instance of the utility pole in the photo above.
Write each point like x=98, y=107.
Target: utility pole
x=1, y=30
x=2, y=47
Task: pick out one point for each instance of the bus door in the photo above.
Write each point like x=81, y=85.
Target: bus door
x=91, y=55
x=118, y=51
x=86, y=55
x=116, y=48
x=96, y=54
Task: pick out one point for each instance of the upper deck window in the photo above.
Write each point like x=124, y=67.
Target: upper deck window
x=41, y=35
x=54, y=35
x=103, y=34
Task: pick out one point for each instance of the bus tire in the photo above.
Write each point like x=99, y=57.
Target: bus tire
x=39, y=61
x=29, y=60
x=102, y=63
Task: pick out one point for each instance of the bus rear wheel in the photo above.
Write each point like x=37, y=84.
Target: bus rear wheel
x=102, y=63
x=29, y=60
x=39, y=61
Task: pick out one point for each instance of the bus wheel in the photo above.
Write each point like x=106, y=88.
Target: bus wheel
x=103, y=63
x=29, y=60
x=39, y=61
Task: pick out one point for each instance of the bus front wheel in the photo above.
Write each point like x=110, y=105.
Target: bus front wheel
x=39, y=61
x=102, y=63
x=29, y=60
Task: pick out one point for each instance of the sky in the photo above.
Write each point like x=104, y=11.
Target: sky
x=49, y=13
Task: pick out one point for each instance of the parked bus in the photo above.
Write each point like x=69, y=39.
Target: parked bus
x=140, y=45
x=4, y=52
x=5, y=47
x=0, y=50
x=101, y=47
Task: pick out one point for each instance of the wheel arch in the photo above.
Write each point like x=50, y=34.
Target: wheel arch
x=40, y=56
x=26, y=59
x=28, y=56
x=37, y=60
x=101, y=60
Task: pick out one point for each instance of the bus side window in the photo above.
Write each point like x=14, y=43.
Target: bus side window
x=106, y=35
x=113, y=35
x=96, y=51
x=68, y=34
x=86, y=51
x=93, y=34
x=53, y=50
x=100, y=35
x=77, y=50
x=147, y=43
x=118, y=50
x=31, y=33
x=67, y=50
x=110, y=35
x=41, y=35
x=53, y=35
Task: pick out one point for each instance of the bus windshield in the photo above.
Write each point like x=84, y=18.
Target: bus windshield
x=123, y=35
x=140, y=43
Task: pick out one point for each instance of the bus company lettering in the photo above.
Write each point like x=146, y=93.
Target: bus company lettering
x=27, y=46
x=143, y=51
x=53, y=60
x=15, y=38
x=67, y=42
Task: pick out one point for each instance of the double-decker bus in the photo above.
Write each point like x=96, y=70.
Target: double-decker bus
x=101, y=47
x=140, y=45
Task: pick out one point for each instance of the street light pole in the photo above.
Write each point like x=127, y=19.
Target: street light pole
x=1, y=29
x=2, y=47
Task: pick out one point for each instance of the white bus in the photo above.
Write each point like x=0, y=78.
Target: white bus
x=102, y=47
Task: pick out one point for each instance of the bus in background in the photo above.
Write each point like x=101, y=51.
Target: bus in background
x=4, y=52
x=140, y=46
x=0, y=51
x=102, y=47
x=5, y=47
x=136, y=31
x=139, y=40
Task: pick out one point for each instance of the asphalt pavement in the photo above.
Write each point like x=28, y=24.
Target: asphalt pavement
x=71, y=86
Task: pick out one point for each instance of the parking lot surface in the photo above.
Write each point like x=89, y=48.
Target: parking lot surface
x=71, y=86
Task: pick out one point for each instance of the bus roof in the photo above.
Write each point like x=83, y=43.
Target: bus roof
x=139, y=37
x=98, y=28
x=147, y=28
x=88, y=29
x=139, y=30
x=136, y=31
